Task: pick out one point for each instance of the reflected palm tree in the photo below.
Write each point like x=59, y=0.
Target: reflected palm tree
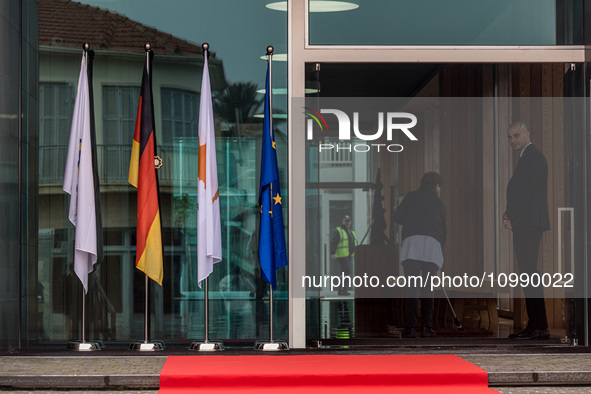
x=239, y=103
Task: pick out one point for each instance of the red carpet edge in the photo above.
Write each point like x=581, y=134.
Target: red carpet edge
x=326, y=373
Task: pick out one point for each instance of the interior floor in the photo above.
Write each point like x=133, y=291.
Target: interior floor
x=478, y=320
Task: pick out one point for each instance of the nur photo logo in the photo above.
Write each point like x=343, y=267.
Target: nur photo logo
x=388, y=122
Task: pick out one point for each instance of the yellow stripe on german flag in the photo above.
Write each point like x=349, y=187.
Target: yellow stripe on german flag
x=148, y=262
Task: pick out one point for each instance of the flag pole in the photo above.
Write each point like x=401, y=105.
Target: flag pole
x=146, y=284
x=206, y=345
x=271, y=345
x=82, y=345
x=270, y=60
x=206, y=308
x=84, y=292
x=83, y=316
x=147, y=345
x=271, y=321
x=146, y=309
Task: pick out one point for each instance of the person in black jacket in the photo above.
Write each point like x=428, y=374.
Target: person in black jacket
x=422, y=216
x=527, y=216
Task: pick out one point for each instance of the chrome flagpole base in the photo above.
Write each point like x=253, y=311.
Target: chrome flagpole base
x=207, y=346
x=271, y=346
x=152, y=346
x=84, y=346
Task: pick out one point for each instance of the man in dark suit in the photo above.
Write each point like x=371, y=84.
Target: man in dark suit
x=527, y=217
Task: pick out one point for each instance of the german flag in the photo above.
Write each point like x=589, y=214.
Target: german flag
x=142, y=175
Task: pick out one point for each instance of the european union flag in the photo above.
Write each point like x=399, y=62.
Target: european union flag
x=272, y=251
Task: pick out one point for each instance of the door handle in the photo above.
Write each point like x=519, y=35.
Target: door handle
x=571, y=212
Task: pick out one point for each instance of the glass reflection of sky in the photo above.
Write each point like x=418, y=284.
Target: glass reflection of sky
x=437, y=22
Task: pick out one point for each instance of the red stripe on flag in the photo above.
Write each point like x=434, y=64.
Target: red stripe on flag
x=147, y=207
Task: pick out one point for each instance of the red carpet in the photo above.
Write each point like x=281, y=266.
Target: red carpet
x=325, y=374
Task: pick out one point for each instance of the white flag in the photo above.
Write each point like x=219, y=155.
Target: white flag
x=209, y=232
x=79, y=182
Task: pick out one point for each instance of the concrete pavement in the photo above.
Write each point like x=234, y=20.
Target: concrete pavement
x=538, y=367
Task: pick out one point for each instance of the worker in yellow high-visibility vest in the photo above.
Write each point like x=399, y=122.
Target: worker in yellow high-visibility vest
x=342, y=248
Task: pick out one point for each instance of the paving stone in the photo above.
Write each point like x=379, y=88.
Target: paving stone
x=562, y=370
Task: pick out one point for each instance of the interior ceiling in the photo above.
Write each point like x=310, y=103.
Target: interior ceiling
x=371, y=79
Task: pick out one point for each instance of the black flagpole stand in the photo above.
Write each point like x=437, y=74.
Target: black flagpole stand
x=146, y=345
x=84, y=345
x=271, y=345
x=206, y=345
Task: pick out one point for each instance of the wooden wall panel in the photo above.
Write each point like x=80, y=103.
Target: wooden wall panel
x=506, y=256
x=488, y=218
x=561, y=177
x=547, y=128
x=461, y=137
x=446, y=158
x=467, y=147
x=561, y=171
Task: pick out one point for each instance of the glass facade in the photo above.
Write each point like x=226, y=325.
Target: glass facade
x=457, y=22
x=239, y=301
x=360, y=169
x=353, y=178
x=19, y=93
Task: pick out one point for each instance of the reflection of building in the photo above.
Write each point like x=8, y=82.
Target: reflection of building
x=118, y=43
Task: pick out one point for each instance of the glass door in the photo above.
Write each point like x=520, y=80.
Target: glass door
x=372, y=130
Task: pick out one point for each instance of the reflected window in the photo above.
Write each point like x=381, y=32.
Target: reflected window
x=55, y=118
x=180, y=112
x=119, y=114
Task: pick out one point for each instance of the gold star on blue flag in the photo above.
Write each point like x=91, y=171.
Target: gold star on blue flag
x=272, y=250
x=277, y=199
